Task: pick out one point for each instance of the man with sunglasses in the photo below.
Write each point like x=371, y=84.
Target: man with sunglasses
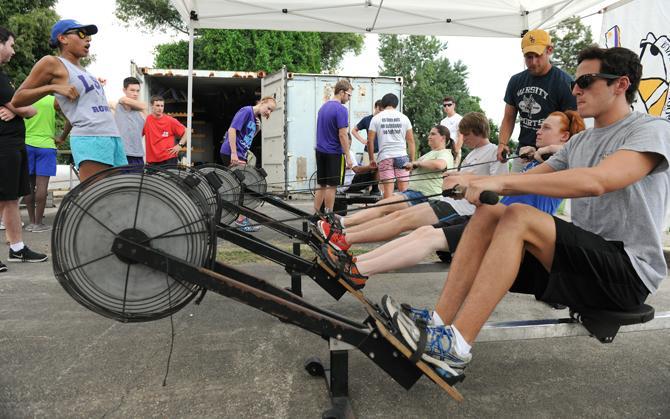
x=451, y=121
x=610, y=257
x=534, y=93
x=332, y=146
x=94, y=139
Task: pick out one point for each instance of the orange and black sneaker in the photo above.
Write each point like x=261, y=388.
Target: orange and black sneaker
x=336, y=238
x=341, y=263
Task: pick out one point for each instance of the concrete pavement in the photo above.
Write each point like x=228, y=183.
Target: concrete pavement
x=57, y=359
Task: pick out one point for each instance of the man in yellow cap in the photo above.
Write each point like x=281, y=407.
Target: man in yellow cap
x=534, y=93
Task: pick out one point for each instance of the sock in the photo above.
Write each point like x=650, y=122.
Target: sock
x=437, y=320
x=462, y=347
x=17, y=246
x=327, y=210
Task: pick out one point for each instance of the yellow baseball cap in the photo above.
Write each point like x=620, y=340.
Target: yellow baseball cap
x=535, y=41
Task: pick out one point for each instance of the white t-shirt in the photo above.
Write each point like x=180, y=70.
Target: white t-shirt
x=349, y=173
x=486, y=153
x=451, y=122
x=391, y=127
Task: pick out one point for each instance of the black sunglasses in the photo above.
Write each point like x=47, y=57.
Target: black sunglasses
x=78, y=32
x=447, y=104
x=585, y=80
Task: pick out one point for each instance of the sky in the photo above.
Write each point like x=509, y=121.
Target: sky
x=490, y=61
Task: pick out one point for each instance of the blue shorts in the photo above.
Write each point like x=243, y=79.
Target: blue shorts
x=415, y=196
x=41, y=161
x=105, y=150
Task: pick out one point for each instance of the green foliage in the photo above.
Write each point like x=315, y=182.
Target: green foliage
x=335, y=45
x=244, y=50
x=428, y=78
x=32, y=29
x=569, y=37
x=149, y=14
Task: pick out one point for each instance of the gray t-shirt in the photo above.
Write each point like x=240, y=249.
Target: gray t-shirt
x=633, y=215
x=130, y=123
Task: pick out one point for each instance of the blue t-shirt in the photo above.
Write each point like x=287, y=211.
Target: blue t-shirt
x=535, y=97
x=364, y=125
x=244, y=123
x=332, y=116
x=541, y=202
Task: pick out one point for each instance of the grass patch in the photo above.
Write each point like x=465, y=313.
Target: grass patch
x=234, y=255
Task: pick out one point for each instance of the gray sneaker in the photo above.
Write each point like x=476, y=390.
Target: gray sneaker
x=40, y=228
x=30, y=227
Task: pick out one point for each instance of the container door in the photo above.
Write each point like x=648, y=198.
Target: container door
x=274, y=132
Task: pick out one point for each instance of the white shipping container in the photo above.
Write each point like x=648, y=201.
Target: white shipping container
x=286, y=146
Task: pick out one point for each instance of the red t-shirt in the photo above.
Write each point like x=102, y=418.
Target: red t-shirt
x=159, y=137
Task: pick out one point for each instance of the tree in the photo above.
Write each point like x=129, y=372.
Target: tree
x=569, y=37
x=244, y=50
x=31, y=22
x=427, y=78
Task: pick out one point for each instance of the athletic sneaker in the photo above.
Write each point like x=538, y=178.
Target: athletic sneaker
x=245, y=225
x=3, y=267
x=390, y=307
x=30, y=227
x=439, y=350
x=337, y=240
x=40, y=228
x=344, y=263
x=26, y=255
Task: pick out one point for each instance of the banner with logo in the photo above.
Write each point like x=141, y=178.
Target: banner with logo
x=643, y=26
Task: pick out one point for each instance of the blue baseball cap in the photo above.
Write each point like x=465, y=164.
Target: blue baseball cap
x=65, y=25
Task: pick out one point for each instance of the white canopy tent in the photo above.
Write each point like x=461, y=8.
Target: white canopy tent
x=494, y=18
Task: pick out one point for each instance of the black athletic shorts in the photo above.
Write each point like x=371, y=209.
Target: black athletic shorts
x=14, y=179
x=329, y=169
x=443, y=211
x=453, y=230
x=587, y=272
x=361, y=181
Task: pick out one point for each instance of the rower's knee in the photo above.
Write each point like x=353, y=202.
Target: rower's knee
x=517, y=217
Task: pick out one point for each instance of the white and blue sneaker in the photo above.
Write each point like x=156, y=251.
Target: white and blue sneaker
x=390, y=306
x=439, y=349
x=245, y=225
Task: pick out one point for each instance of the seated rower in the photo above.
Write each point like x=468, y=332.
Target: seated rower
x=481, y=161
x=426, y=179
x=409, y=250
x=610, y=257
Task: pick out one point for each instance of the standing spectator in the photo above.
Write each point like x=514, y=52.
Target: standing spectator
x=534, y=93
x=160, y=135
x=332, y=146
x=394, y=133
x=41, y=151
x=244, y=127
x=451, y=121
x=364, y=125
x=129, y=115
x=94, y=139
x=14, y=168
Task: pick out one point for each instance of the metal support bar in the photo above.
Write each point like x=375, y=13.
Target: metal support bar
x=279, y=303
x=289, y=261
x=296, y=278
x=553, y=328
x=268, y=221
x=277, y=202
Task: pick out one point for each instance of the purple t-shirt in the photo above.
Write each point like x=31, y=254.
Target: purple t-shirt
x=244, y=123
x=332, y=116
